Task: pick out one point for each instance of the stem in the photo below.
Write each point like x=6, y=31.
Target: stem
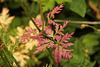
x=44, y=34
x=78, y=22
x=37, y=26
x=51, y=57
x=41, y=15
x=92, y=27
x=28, y=13
x=33, y=20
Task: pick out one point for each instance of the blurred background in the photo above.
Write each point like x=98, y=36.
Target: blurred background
x=86, y=39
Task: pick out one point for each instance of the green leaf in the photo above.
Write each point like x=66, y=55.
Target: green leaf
x=34, y=9
x=49, y=5
x=77, y=6
x=13, y=5
x=62, y=1
x=88, y=63
x=16, y=22
x=42, y=55
x=79, y=58
x=21, y=0
x=90, y=40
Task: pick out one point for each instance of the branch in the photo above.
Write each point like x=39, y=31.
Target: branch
x=28, y=13
x=79, y=22
x=41, y=15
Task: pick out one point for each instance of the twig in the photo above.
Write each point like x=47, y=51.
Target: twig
x=41, y=15
x=50, y=54
x=33, y=20
x=79, y=22
x=28, y=13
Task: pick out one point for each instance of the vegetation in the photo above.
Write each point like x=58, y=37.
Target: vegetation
x=49, y=33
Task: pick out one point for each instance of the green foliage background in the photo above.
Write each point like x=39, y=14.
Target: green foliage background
x=74, y=10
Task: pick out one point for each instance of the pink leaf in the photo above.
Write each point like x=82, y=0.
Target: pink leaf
x=40, y=48
x=56, y=10
x=58, y=38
